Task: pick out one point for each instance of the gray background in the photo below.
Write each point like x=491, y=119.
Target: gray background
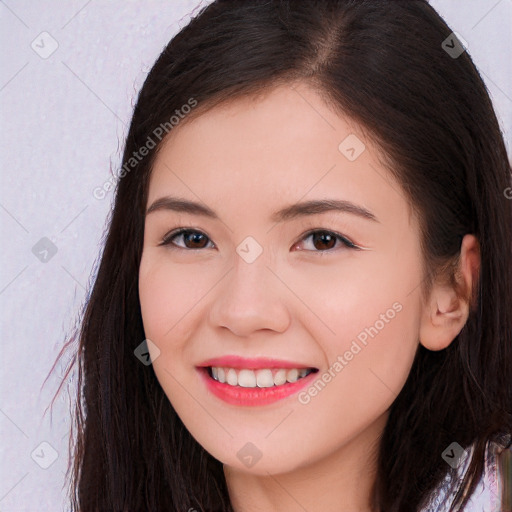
x=64, y=116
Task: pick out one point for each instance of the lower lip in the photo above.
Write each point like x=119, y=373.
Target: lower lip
x=238, y=395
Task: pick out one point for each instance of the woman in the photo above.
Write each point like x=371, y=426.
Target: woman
x=311, y=243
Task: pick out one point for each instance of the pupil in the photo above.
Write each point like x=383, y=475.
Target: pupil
x=195, y=237
x=324, y=236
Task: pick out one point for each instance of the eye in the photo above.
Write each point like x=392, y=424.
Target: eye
x=190, y=236
x=323, y=240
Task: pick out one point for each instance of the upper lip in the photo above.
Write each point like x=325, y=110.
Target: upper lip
x=233, y=361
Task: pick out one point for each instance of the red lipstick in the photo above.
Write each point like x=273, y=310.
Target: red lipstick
x=252, y=396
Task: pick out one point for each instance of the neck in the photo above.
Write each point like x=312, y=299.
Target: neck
x=341, y=481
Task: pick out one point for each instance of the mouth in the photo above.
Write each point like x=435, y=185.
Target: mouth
x=254, y=384
x=261, y=378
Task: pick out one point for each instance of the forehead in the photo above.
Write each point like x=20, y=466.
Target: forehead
x=274, y=148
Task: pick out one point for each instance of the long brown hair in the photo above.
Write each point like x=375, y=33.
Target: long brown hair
x=383, y=64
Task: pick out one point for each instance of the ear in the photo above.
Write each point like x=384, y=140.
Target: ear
x=448, y=307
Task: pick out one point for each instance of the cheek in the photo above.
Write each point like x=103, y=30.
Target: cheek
x=357, y=296
x=172, y=296
x=169, y=296
x=155, y=297
x=169, y=293
x=363, y=379
x=367, y=321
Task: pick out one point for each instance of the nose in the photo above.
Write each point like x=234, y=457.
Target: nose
x=250, y=298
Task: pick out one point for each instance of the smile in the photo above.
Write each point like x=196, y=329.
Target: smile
x=253, y=382
x=262, y=378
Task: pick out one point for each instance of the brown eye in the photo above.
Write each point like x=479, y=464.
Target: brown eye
x=323, y=241
x=192, y=239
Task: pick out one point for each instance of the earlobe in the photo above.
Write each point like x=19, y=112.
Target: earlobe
x=448, y=309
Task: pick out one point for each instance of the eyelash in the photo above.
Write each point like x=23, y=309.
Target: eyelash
x=167, y=239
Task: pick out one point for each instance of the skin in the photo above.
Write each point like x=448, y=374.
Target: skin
x=307, y=302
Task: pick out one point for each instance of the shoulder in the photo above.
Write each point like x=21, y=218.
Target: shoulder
x=487, y=495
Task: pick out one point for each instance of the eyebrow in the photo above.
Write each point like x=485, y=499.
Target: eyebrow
x=293, y=211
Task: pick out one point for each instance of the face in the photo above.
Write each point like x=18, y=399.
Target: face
x=312, y=315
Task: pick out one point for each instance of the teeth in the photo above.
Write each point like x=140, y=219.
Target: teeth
x=303, y=372
x=292, y=375
x=232, y=377
x=264, y=378
x=247, y=379
x=280, y=377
